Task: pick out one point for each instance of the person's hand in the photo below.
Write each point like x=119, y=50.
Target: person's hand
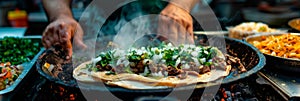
x=176, y=24
x=60, y=32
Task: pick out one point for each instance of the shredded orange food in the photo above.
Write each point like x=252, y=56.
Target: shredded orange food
x=286, y=45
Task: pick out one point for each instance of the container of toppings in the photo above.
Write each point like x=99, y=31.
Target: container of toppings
x=17, y=55
x=250, y=28
x=282, y=51
x=8, y=74
x=18, y=18
x=295, y=24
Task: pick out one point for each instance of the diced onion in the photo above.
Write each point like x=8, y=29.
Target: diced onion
x=177, y=62
x=202, y=60
x=194, y=54
x=186, y=66
x=196, y=61
x=97, y=59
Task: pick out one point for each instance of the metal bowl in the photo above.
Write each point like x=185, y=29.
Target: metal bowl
x=295, y=24
x=279, y=63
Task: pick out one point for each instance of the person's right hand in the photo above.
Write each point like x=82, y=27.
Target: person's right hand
x=60, y=32
x=176, y=24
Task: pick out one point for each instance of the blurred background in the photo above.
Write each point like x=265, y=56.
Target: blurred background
x=275, y=13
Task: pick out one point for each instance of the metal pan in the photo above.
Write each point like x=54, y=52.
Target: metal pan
x=7, y=93
x=275, y=62
x=295, y=24
x=249, y=55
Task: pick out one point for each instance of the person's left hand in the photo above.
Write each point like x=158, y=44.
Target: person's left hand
x=176, y=24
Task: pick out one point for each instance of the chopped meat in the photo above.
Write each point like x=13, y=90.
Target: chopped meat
x=137, y=67
x=204, y=69
x=220, y=63
x=153, y=68
x=235, y=62
x=193, y=66
x=62, y=68
x=105, y=68
x=182, y=75
x=173, y=71
x=120, y=68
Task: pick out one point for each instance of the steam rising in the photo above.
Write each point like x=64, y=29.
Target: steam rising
x=136, y=29
x=132, y=24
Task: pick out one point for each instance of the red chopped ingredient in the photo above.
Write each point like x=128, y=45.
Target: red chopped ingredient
x=72, y=97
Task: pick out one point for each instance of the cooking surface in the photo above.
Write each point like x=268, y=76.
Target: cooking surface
x=286, y=84
x=39, y=89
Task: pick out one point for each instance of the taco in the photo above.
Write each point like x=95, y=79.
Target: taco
x=155, y=67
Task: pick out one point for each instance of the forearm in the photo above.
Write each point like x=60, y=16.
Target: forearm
x=57, y=8
x=185, y=4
